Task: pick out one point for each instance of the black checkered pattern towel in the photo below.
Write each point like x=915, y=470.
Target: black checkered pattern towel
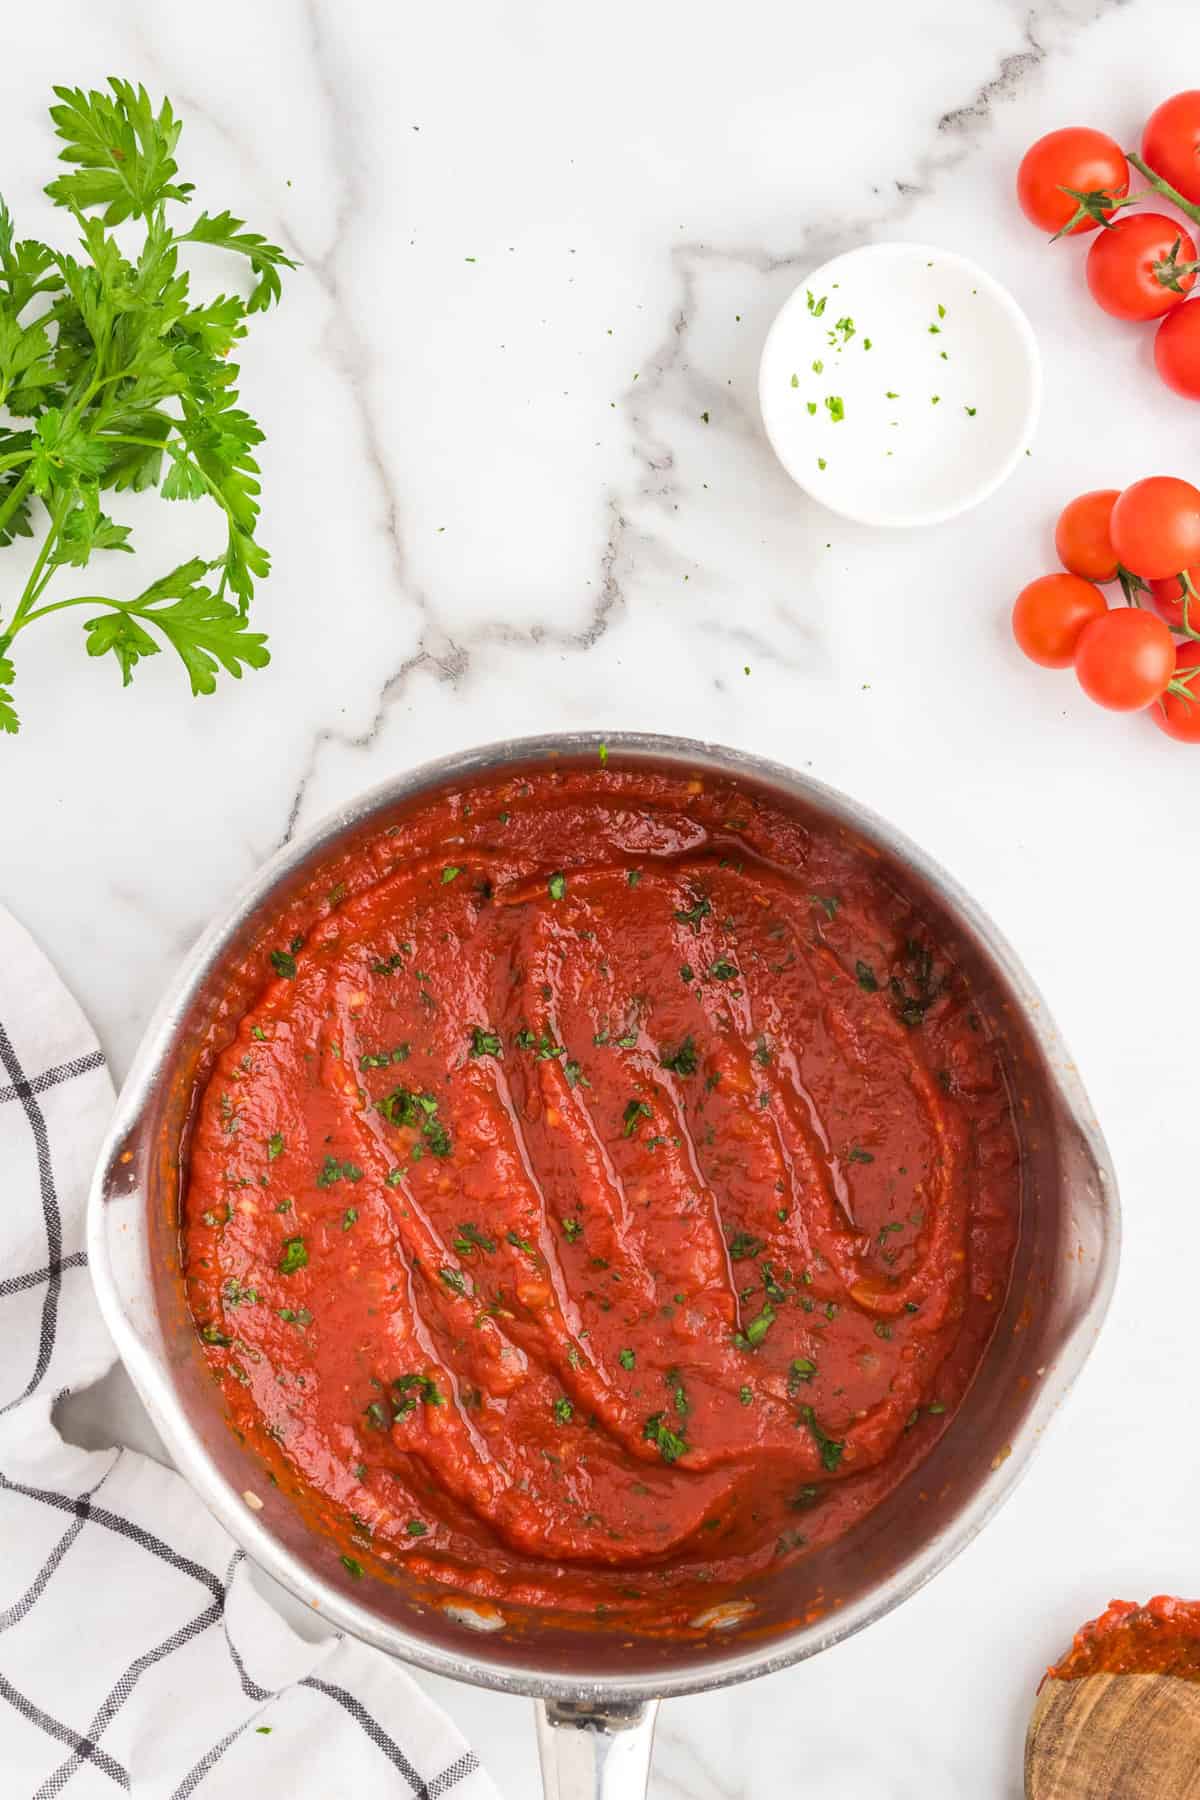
x=135, y=1652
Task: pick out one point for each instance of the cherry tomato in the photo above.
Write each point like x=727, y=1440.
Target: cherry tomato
x=1155, y=527
x=1171, y=142
x=1178, y=716
x=1049, y=615
x=1166, y=597
x=1081, y=535
x=1177, y=350
x=1076, y=157
x=1137, y=268
x=1125, y=660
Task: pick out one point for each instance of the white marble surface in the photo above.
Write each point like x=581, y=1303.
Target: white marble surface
x=495, y=508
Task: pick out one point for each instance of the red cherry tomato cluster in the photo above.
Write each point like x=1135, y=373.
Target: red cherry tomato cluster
x=1142, y=265
x=1147, y=537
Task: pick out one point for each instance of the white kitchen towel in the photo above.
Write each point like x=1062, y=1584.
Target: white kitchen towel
x=135, y=1651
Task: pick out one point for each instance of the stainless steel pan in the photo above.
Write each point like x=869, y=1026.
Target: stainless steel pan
x=597, y=1693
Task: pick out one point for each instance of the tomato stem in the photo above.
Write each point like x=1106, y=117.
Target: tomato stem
x=1163, y=187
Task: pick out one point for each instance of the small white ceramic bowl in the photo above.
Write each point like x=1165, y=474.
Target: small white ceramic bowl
x=900, y=384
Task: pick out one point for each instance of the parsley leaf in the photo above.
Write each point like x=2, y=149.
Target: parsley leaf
x=130, y=386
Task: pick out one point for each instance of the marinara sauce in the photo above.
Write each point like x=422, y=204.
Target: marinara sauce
x=610, y=1189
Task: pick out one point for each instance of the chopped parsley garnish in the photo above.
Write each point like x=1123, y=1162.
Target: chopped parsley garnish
x=818, y=368
x=635, y=1112
x=544, y=1047
x=295, y=1256
x=800, y=1369
x=763, y=1054
x=408, y=1389
x=519, y=1243
x=388, y=965
x=275, y=1145
x=416, y=1528
x=723, y=970
x=831, y=1449
x=212, y=1334
x=864, y=974
x=683, y=1061
x=332, y=1171
x=471, y=1238
x=377, y=1416
x=485, y=1043
x=858, y=1155
x=795, y=381
x=700, y=908
x=686, y=972
x=913, y=1000
x=835, y=407
x=382, y=1059
x=450, y=873
x=454, y=1279
x=557, y=885
x=633, y=877
x=626, y=1358
x=574, y=1073
x=564, y=1411
x=572, y=1229
x=394, y=1177
x=757, y=1329
x=815, y=307
x=744, y=1246
x=300, y=1316
x=671, y=1445
x=746, y=1395
x=353, y=1567
x=284, y=964
x=970, y=411
x=821, y=463
x=891, y=394
x=828, y=904
x=349, y=1218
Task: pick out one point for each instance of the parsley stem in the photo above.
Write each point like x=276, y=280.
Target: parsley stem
x=112, y=437
x=40, y=574
x=15, y=498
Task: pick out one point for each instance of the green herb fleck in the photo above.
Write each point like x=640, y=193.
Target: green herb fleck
x=635, y=1112
x=831, y=1449
x=684, y=1060
x=295, y=1256
x=671, y=1445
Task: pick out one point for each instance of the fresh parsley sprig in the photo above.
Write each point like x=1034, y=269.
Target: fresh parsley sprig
x=112, y=380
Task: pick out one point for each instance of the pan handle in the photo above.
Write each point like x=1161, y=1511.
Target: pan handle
x=595, y=1752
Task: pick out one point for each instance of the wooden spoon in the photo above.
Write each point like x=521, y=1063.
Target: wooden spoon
x=1115, y=1737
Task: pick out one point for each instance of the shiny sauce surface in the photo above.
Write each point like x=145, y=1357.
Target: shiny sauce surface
x=610, y=1190
x=1160, y=1638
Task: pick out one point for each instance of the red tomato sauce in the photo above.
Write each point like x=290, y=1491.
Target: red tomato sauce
x=611, y=1190
x=1160, y=1638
